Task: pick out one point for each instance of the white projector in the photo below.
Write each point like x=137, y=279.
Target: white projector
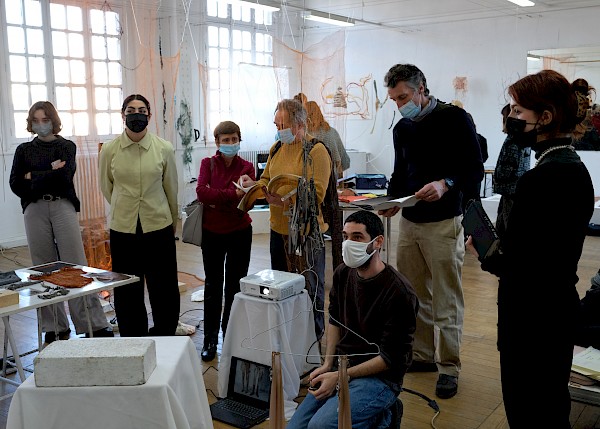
x=271, y=284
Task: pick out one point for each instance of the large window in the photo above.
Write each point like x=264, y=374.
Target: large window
x=237, y=33
x=69, y=55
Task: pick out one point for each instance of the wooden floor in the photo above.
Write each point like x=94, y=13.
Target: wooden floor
x=478, y=403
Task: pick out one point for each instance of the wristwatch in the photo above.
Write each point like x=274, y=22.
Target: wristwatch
x=449, y=183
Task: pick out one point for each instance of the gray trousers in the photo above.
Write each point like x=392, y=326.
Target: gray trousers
x=53, y=234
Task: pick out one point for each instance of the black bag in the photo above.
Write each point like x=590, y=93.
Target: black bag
x=371, y=181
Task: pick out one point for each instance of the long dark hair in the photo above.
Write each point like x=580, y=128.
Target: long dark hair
x=135, y=97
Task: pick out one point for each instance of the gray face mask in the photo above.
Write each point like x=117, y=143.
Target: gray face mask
x=43, y=130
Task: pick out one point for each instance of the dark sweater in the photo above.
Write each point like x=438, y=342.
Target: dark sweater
x=36, y=157
x=441, y=145
x=383, y=310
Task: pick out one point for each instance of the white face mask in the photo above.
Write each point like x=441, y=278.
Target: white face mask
x=354, y=253
x=286, y=136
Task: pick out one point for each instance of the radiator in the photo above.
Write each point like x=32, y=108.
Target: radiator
x=88, y=188
x=250, y=155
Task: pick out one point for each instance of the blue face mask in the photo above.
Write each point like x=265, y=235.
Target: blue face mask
x=229, y=150
x=285, y=136
x=410, y=110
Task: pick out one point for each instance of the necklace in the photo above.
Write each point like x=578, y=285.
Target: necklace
x=552, y=149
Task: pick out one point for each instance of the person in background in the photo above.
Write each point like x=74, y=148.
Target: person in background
x=513, y=161
x=586, y=135
x=42, y=176
x=539, y=307
x=437, y=157
x=226, y=231
x=372, y=318
x=318, y=127
x=293, y=154
x=138, y=177
x=473, y=192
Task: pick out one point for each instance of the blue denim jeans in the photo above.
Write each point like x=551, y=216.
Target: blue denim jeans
x=370, y=402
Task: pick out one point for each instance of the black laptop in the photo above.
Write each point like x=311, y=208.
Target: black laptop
x=248, y=394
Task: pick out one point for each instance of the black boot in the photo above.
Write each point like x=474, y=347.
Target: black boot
x=209, y=351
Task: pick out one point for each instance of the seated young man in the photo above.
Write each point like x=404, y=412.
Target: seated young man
x=372, y=318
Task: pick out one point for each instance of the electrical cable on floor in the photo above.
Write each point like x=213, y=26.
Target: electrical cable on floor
x=431, y=402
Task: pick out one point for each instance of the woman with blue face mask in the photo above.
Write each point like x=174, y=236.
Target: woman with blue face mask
x=226, y=231
x=42, y=176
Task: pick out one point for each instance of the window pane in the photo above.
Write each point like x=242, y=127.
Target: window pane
x=246, y=14
x=236, y=13
x=225, y=101
x=37, y=69
x=100, y=73
x=268, y=18
x=259, y=16
x=236, y=39
x=260, y=42
x=74, y=18
x=82, y=124
x=112, y=23
x=214, y=99
x=213, y=79
x=102, y=124
x=61, y=71
x=101, y=99
x=211, y=7
x=268, y=43
x=18, y=68
x=39, y=92
x=14, y=12
x=116, y=99
x=16, y=40
x=67, y=122
x=223, y=58
x=246, y=40
x=237, y=58
x=116, y=123
x=63, y=98
x=76, y=45
x=35, y=41
x=260, y=59
x=57, y=16
x=115, y=77
x=97, y=21
x=33, y=13
x=114, y=48
x=80, y=98
x=77, y=71
x=213, y=36
x=246, y=56
x=222, y=10
x=213, y=57
x=223, y=37
x=20, y=96
x=21, y=125
x=59, y=44
x=98, y=48
x=224, y=80
x=213, y=119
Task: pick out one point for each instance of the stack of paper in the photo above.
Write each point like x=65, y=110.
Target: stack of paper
x=587, y=363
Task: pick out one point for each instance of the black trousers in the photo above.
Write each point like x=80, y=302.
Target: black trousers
x=152, y=257
x=226, y=258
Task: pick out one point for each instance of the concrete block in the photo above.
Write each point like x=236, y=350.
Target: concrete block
x=95, y=362
x=8, y=297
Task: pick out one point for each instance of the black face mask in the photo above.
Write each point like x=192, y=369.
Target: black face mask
x=136, y=122
x=516, y=131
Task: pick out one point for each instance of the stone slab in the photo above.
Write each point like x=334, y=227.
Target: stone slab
x=95, y=362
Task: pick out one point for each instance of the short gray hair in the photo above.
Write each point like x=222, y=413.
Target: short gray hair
x=408, y=73
x=295, y=109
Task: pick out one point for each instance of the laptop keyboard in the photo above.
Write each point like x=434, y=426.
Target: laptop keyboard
x=238, y=408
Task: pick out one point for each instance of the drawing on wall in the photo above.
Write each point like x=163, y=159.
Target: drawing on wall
x=461, y=87
x=351, y=100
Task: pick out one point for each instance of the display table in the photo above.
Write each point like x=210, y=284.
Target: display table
x=259, y=326
x=29, y=299
x=174, y=397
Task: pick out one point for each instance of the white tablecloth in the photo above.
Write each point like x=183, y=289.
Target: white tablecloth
x=173, y=398
x=259, y=326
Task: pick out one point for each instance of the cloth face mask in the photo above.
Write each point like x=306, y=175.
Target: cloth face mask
x=136, y=122
x=44, y=129
x=354, y=253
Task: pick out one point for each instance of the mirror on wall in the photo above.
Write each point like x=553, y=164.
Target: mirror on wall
x=575, y=63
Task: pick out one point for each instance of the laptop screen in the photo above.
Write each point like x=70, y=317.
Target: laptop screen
x=249, y=382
